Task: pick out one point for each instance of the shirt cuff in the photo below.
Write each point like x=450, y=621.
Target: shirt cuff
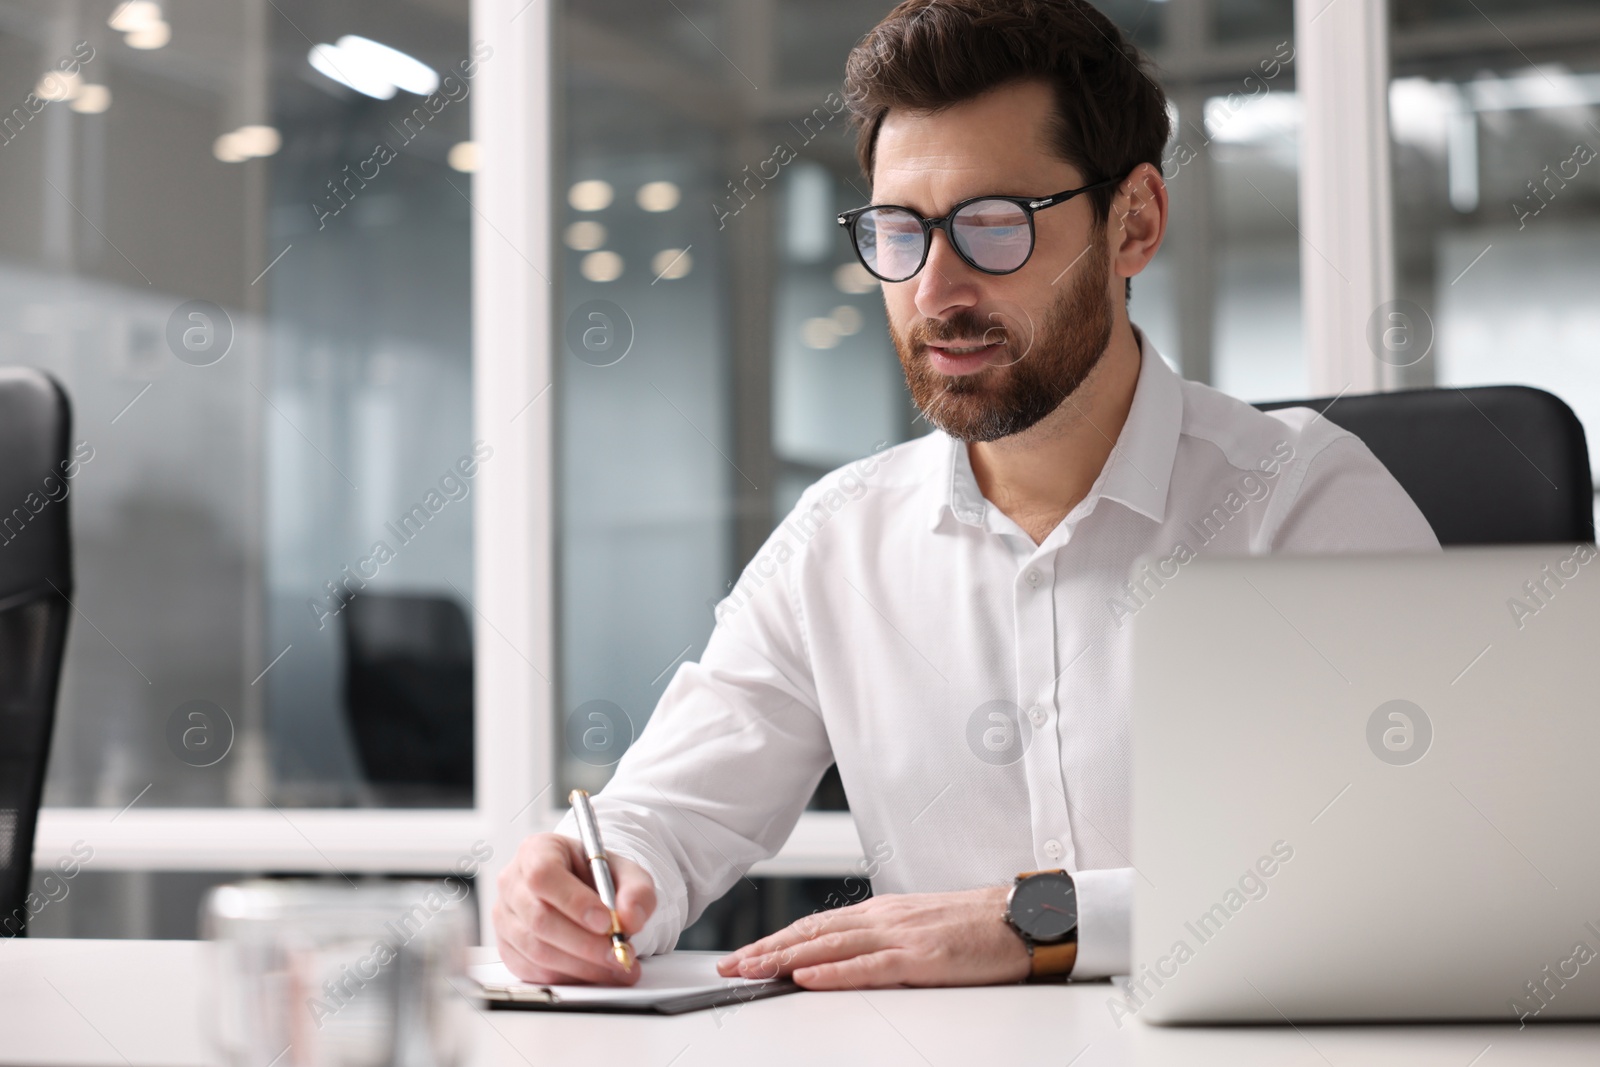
x=1105, y=901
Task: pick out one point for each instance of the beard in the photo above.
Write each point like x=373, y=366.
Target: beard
x=1006, y=399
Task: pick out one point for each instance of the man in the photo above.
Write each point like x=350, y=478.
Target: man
x=949, y=619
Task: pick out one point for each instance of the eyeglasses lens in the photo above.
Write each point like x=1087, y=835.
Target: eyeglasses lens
x=994, y=234
x=890, y=241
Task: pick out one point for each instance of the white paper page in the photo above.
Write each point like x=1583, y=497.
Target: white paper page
x=672, y=975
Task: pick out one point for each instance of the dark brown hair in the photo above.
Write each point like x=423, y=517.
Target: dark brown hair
x=927, y=55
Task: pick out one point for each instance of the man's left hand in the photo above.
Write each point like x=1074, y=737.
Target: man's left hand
x=902, y=939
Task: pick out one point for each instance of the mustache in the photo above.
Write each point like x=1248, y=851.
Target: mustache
x=1014, y=329
x=963, y=326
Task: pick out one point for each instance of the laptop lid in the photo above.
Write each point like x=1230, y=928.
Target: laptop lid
x=1365, y=787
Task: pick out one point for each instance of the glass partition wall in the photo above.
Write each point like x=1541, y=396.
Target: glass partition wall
x=238, y=234
x=1495, y=112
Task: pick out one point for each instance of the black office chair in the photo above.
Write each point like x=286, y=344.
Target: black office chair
x=35, y=581
x=408, y=696
x=1490, y=465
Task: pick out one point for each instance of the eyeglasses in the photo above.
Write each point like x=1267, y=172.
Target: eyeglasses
x=993, y=234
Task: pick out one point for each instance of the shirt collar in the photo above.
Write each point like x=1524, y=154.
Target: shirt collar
x=1138, y=472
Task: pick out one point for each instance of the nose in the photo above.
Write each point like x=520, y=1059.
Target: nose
x=945, y=284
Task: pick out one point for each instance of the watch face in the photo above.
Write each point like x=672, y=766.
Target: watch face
x=1045, y=906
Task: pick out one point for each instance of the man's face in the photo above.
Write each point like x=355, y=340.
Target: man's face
x=1039, y=331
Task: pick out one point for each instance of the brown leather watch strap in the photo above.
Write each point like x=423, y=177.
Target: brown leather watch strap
x=1051, y=961
x=1054, y=960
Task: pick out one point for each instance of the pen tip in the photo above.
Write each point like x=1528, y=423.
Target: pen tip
x=624, y=955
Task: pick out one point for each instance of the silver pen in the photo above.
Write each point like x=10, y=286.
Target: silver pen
x=589, y=830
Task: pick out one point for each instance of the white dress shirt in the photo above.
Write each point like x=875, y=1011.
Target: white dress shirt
x=971, y=685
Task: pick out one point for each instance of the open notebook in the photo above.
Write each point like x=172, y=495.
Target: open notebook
x=673, y=983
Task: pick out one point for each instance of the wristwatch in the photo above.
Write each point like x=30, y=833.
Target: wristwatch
x=1042, y=908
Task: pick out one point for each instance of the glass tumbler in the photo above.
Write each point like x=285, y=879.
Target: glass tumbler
x=320, y=974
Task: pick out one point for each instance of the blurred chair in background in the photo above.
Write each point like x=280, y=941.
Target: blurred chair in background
x=408, y=697
x=35, y=582
x=1492, y=465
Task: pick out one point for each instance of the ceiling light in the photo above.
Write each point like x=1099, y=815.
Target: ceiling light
x=227, y=150
x=257, y=140
x=658, y=196
x=247, y=142
x=155, y=35
x=91, y=100
x=1253, y=120
x=819, y=333
x=57, y=85
x=586, y=236
x=591, y=195
x=670, y=263
x=135, y=15
x=853, y=278
x=379, y=61
x=463, y=156
x=601, y=266
x=332, y=62
x=846, y=319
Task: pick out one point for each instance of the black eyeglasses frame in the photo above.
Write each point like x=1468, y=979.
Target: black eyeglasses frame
x=1028, y=204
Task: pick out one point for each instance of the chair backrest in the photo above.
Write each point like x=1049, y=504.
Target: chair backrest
x=1490, y=465
x=408, y=695
x=35, y=583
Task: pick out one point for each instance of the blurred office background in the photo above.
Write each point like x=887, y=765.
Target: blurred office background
x=194, y=162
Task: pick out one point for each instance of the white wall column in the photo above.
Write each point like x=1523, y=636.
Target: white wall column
x=1346, y=228
x=513, y=401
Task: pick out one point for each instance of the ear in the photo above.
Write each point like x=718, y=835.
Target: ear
x=1138, y=220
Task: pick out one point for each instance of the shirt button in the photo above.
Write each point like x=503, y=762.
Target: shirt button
x=1032, y=578
x=1036, y=715
x=1053, y=849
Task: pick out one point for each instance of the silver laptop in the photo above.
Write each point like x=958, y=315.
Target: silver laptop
x=1368, y=787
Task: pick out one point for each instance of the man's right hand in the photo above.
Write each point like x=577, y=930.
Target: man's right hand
x=550, y=923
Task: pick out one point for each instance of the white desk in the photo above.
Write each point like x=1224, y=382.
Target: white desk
x=138, y=1002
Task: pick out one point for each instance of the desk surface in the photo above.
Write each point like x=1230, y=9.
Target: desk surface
x=138, y=1002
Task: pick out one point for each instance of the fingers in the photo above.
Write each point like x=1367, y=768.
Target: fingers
x=796, y=933
x=554, y=967
x=542, y=933
x=828, y=948
x=550, y=924
x=876, y=970
x=636, y=893
x=553, y=879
